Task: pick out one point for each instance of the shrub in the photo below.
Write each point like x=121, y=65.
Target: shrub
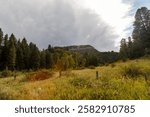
x=131, y=70
x=106, y=64
x=112, y=65
x=80, y=82
x=91, y=67
x=4, y=95
x=146, y=73
x=6, y=73
x=39, y=75
x=124, y=60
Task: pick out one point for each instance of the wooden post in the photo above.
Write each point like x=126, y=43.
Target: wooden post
x=60, y=73
x=97, y=76
x=15, y=75
x=146, y=77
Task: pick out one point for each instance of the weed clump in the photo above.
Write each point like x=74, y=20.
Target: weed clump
x=112, y=65
x=6, y=73
x=91, y=67
x=80, y=82
x=131, y=70
x=106, y=64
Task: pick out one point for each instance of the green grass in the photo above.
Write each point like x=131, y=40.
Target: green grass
x=122, y=80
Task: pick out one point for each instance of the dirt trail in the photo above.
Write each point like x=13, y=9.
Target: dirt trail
x=55, y=75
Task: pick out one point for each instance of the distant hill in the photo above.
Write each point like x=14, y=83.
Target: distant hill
x=80, y=49
x=91, y=54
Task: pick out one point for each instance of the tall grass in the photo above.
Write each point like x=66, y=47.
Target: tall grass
x=125, y=82
x=131, y=70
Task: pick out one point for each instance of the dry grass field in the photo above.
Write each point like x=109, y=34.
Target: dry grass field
x=117, y=81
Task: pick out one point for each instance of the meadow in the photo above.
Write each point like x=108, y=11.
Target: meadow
x=128, y=80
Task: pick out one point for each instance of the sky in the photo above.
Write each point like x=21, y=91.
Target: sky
x=100, y=23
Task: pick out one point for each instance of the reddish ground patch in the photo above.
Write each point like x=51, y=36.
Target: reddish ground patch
x=40, y=75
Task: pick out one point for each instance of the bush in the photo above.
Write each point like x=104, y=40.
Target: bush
x=39, y=75
x=106, y=64
x=112, y=65
x=6, y=73
x=91, y=67
x=131, y=70
x=124, y=60
x=80, y=82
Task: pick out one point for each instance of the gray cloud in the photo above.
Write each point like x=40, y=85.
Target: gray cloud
x=55, y=22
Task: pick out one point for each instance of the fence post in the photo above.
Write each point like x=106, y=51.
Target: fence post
x=146, y=77
x=97, y=76
x=14, y=74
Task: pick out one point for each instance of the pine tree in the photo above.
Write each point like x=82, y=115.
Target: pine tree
x=19, y=57
x=1, y=39
x=26, y=54
x=5, y=52
x=123, y=49
x=43, y=59
x=34, y=57
x=130, y=48
x=49, y=59
x=141, y=32
x=1, y=36
x=12, y=53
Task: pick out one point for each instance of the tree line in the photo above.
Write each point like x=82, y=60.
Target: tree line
x=17, y=54
x=139, y=44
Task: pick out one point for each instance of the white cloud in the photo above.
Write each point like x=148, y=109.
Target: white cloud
x=114, y=13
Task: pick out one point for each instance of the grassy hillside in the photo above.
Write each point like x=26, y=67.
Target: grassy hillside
x=121, y=80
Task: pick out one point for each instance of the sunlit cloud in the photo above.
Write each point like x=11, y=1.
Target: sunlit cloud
x=114, y=12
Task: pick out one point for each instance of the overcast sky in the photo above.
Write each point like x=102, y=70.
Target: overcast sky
x=100, y=23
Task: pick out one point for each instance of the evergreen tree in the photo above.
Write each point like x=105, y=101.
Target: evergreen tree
x=34, y=57
x=1, y=39
x=12, y=53
x=26, y=53
x=123, y=49
x=141, y=32
x=43, y=59
x=1, y=36
x=5, y=52
x=130, y=48
x=49, y=59
x=19, y=57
